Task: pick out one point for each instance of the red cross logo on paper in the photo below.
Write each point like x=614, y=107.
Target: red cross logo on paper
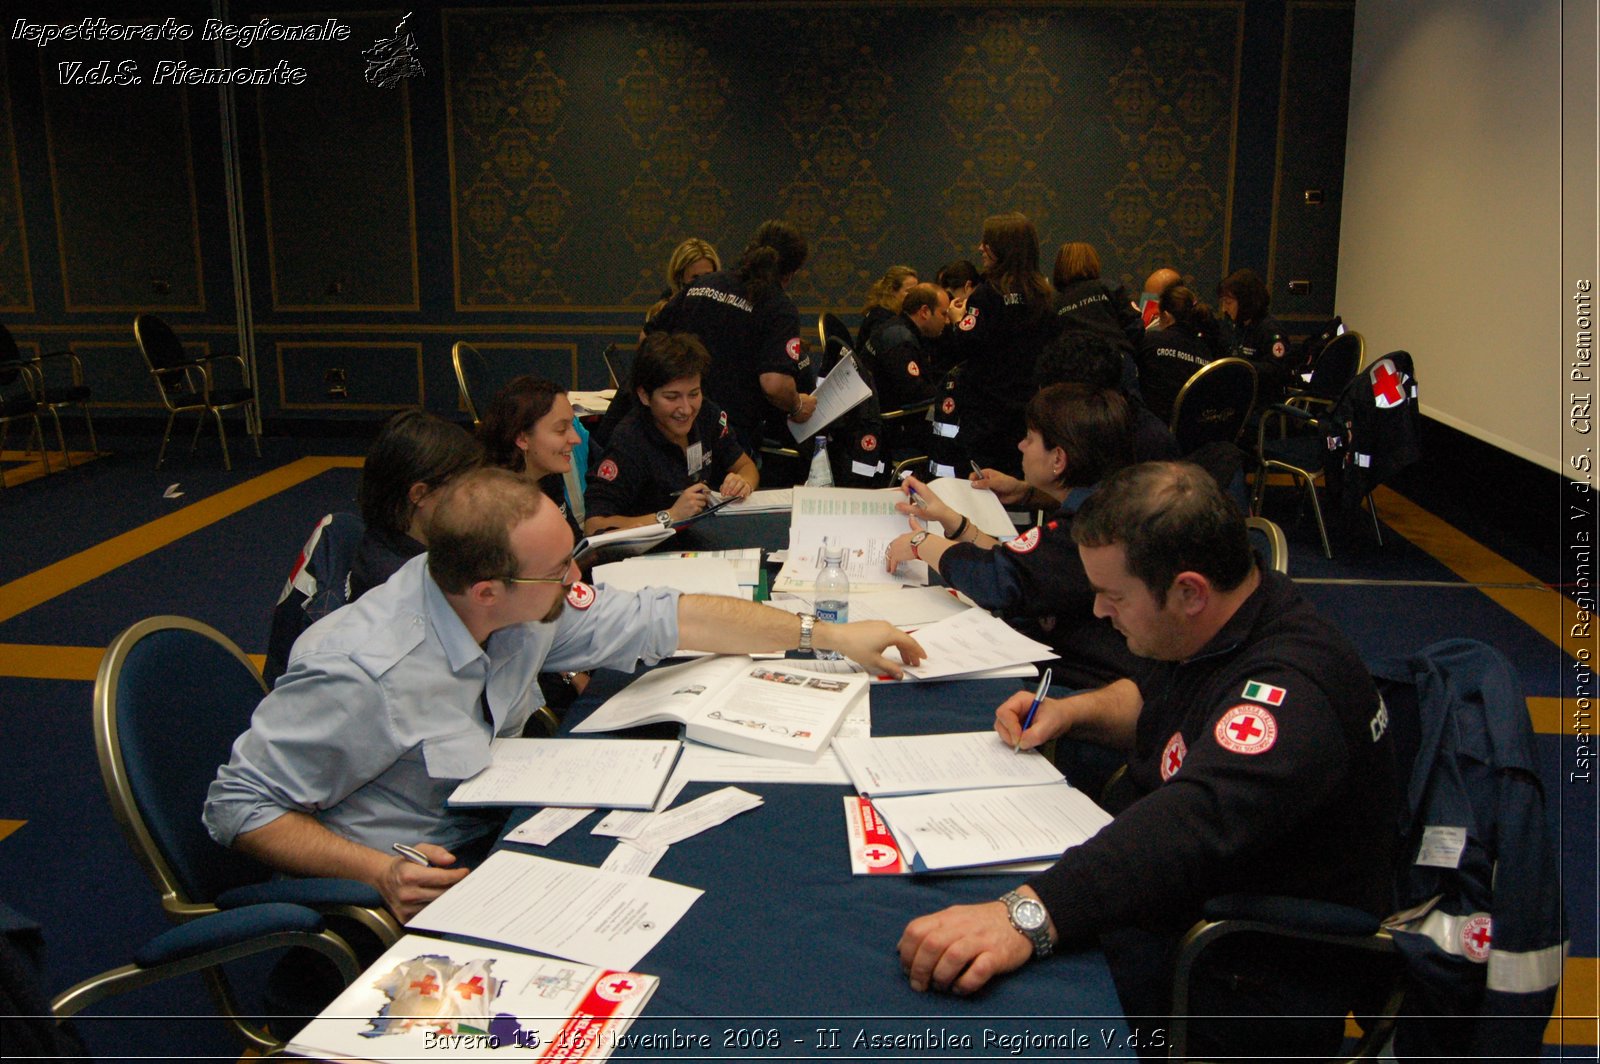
x=471, y=988
x=1388, y=386
x=426, y=986
x=1278, y=349
x=1025, y=542
x=948, y=406
x=1247, y=730
x=969, y=321
x=580, y=596
x=617, y=987
x=880, y=856
x=913, y=369
x=1172, y=757
x=607, y=470
x=869, y=442
x=793, y=347
x=1476, y=936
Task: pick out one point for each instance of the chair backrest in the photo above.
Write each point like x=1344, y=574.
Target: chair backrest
x=1267, y=537
x=835, y=338
x=158, y=344
x=472, y=377
x=619, y=364
x=171, y=696
x=10, y=356
x=318, y=584
x=1338, y=362
x=1214, y=404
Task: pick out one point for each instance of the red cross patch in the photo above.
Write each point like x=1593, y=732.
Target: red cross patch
x=1246, y=729
x=1387, y=385
x=878, y=855
x=869, y=442
x=617, y=986
x=969, y=321
x=948, y=406
x=1025, y=542
x=607, y=470
x=793, y=347
x=912, y=369
x=1278, y=349
x=580, y=596
x=1172, y=757
x=1476, y=936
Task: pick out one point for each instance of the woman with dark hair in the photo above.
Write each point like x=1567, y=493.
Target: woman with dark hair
x=414, y=455
x=530, y=428
x=999, y=332
x=674, y=448
x=884, y=299
x=1182, y=339
x=760, y=372
x=1077, y=436
x=1243, y=300
x=958, y=279
x=691, y=260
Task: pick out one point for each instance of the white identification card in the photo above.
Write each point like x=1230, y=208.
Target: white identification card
x=695, y=454
x=1442, y=846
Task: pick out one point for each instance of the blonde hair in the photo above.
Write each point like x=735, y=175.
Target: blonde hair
x=886, y=289
x=684, y=255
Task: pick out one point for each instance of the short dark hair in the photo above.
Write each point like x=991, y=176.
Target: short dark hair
x=1249, y=291
x=1169, y=517
x=922, y=295
x=469, y=531
x=1092, y=425
x=957, y=273
x=667, y=357
x=1080, y=356
x=515, y=409
x=412, y=447
x=775, y=251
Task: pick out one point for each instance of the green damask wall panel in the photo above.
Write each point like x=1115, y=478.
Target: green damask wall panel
x=1305, y=238
x=16, y=284
x=584, y=144
x=337, y=177
x=123, y=178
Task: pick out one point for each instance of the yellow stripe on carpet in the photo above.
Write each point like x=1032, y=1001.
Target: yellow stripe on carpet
x=38, y=587
x=21, y=661
x=9, y=826
x=1550, y=614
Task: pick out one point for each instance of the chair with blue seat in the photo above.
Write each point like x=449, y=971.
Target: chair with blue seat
x=835, y=339
x=187, y=383
x=19, y=401
x=171, y=696
x=51, y=391
x=1214, y=404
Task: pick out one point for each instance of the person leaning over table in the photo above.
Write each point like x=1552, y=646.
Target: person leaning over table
x=673, y=448
x=391, y=702
x=1258, y=761
x=1077, y=436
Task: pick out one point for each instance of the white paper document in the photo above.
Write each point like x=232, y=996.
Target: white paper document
x=746, y=561
x=846, y=667
x=916, y=764
x=692, y=576
x=733, y=703
x=690, y=819
x=875, y=849
x=707, y=764
x=565, y=910
x=970, y=642
x=592, y=402
x=841, y=392
x=862, y=522
x=979, y=505
x=761, y=501
x=970, y=828
x=547, y=825
x=632, y=860
x=582, y=773
x=621, y=542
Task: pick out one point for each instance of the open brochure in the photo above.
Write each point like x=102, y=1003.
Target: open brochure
x=971, y=642
x=577, y=773
x=735, y=703
x=620, y=542
x=428, y=999
x=875, y=850
x=967, y=829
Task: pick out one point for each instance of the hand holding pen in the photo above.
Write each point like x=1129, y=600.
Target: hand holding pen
x=1027, y=721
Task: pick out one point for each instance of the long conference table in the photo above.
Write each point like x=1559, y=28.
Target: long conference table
x=788, y=955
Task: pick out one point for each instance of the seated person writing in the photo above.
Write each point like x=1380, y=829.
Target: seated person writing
x=390, y=703
x=666, y=457
x=1258, y=761
x=1077, y=436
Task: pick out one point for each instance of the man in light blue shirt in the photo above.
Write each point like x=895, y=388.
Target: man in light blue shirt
x=390, y=702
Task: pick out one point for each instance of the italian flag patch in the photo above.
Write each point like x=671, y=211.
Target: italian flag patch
x=1257, y=691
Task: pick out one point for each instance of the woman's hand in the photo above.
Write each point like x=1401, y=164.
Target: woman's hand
x=694, y=499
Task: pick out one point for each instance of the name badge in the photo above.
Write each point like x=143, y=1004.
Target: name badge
x=694, y=454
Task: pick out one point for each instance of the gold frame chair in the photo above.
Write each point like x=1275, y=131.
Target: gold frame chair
x=176, y=374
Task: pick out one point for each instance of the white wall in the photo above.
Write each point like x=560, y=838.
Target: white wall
x=1451, y=229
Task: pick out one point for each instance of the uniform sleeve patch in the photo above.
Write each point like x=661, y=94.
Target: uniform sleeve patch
x=1025, y=542
x=1246, y=730
x=580, y=596
x=948, y=406
x=1278, y=349
x=869, y=442
x=913, y=370
x=969, y=321
x=607, y=470
x=793, y=347
x=1256, y=691
x=1477, y=934
x=1172, y=756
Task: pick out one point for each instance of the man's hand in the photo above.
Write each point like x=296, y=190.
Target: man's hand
x=804, y=406
x=864, y=643
x=407, y=887
x=962, y=948
x=1007, y=489
x=693, y=499
x=734, y=486
x=1051, y=721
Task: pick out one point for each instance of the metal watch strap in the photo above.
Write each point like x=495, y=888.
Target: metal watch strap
x=664, y=518
x=1038, y=936
x=808, y=621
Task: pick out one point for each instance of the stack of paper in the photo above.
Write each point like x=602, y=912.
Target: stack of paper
x=692, y=576
x=764, y=501
x=840, y=392
x=746, y=561
x=580, y=773
x=734, y=703
x=974, y=642
x=428, y=999
x=620, y=542
x=958, y=801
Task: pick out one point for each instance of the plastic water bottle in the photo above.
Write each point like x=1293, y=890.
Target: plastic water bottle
x=832, y=598
x=820, y=475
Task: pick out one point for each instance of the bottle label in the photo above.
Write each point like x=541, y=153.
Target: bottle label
x=833, y=612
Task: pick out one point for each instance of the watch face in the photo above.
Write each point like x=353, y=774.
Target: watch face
x=1029, y=914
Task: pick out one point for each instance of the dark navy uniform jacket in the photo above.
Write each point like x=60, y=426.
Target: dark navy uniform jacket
x=1167, y=359
x=997, y=341
x=642, y=471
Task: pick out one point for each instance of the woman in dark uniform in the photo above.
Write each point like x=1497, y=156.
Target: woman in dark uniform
x=1243, y=299
x=884, y=299
x=1182, y=340
x=1077, y=436
x=1084, y=304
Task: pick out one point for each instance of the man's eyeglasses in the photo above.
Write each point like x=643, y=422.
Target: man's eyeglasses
x=567, y=578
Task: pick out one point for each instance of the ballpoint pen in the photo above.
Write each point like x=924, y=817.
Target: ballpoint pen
x=412, y=854
x=976, y=468
x=916, y=500
x=1038, y=696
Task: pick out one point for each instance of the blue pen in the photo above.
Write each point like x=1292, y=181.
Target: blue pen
x=916, y=500
x=1038, y=696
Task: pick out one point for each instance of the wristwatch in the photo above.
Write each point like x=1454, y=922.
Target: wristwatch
x=665, y=518
x=916, y=541
x=1030, y=920
x=808, y=621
